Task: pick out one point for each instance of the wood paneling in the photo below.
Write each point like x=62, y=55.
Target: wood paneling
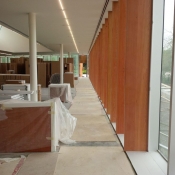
x=106, y=59
x=137, y=74
x=83, y=59
x=115, y=48
x=25, y=130
x=100, y=63
x=121, y=68
x=97, y=65
x=109, y=64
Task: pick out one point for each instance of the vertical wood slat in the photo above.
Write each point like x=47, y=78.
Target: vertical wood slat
x=100, y=64
x=95, y=66
x=120, y=120
x=137, y=74
x=109, y=64
x=106, y=59
x=115, y=46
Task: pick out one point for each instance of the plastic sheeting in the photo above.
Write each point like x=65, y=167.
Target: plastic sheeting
x=34, y=127
x=7, y=160
x=65, y=122
x=25, y=129
x=63, y=91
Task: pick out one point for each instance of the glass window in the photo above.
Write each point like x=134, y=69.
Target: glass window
x=76, y=64
x=166, y=78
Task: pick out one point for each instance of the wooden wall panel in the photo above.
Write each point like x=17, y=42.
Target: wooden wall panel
x=115, y=48
x=139, y=21
x=102, y=63
x=83, y=59
x=109, y=64
x=98, y=63
x=106, y=59
x=120, y=125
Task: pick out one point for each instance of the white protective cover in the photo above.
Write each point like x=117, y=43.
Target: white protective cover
x=65, y=122
x=64, y=125
x=63, y=91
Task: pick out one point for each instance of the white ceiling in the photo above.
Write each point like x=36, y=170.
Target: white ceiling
x=83, y=16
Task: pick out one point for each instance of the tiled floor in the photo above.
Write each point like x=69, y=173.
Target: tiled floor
x=97, y=151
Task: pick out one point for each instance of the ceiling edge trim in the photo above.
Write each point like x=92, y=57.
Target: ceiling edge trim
x=99, y=22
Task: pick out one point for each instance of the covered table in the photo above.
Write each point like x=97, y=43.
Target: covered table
x=63, y=91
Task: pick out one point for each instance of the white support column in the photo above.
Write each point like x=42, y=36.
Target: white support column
x=0, y=59
x=171, y=145
x=69, y=55
x=32, y=57
x=61, y=64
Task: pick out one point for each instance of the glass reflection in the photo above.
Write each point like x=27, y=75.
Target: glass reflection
x=166, y=78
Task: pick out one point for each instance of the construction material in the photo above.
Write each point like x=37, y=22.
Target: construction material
x=39, y=92
x=69, y=78
x=3, y=67
x=5, y=77
x=55, y=67
x=9, y=96
x=27, y=67
x=68, y=67
x=15, y=81
x=55, y=78
x=38, y=126
x=81, y=69
x=70, y=60
x=10, y=71
x=17, y=88
x=42, y=74
x=83, y=59
x=31, y=131
x=63, y=91
x=66, y=123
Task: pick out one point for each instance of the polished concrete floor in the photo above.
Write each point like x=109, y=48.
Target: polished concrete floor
x=97, y=150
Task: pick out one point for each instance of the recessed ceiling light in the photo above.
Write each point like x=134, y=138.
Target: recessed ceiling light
x=67, y=22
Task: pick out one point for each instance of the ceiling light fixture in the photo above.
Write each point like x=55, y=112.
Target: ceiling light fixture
x=67, y=21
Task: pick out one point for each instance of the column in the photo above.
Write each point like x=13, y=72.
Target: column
x=61, y=64
x=32, y=56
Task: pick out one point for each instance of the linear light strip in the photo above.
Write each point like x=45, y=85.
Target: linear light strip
x=67, y=21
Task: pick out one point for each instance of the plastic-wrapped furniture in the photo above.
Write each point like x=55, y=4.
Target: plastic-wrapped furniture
x=55, y=78
x=34, y=126
x=28, y=126
x=63, y=91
